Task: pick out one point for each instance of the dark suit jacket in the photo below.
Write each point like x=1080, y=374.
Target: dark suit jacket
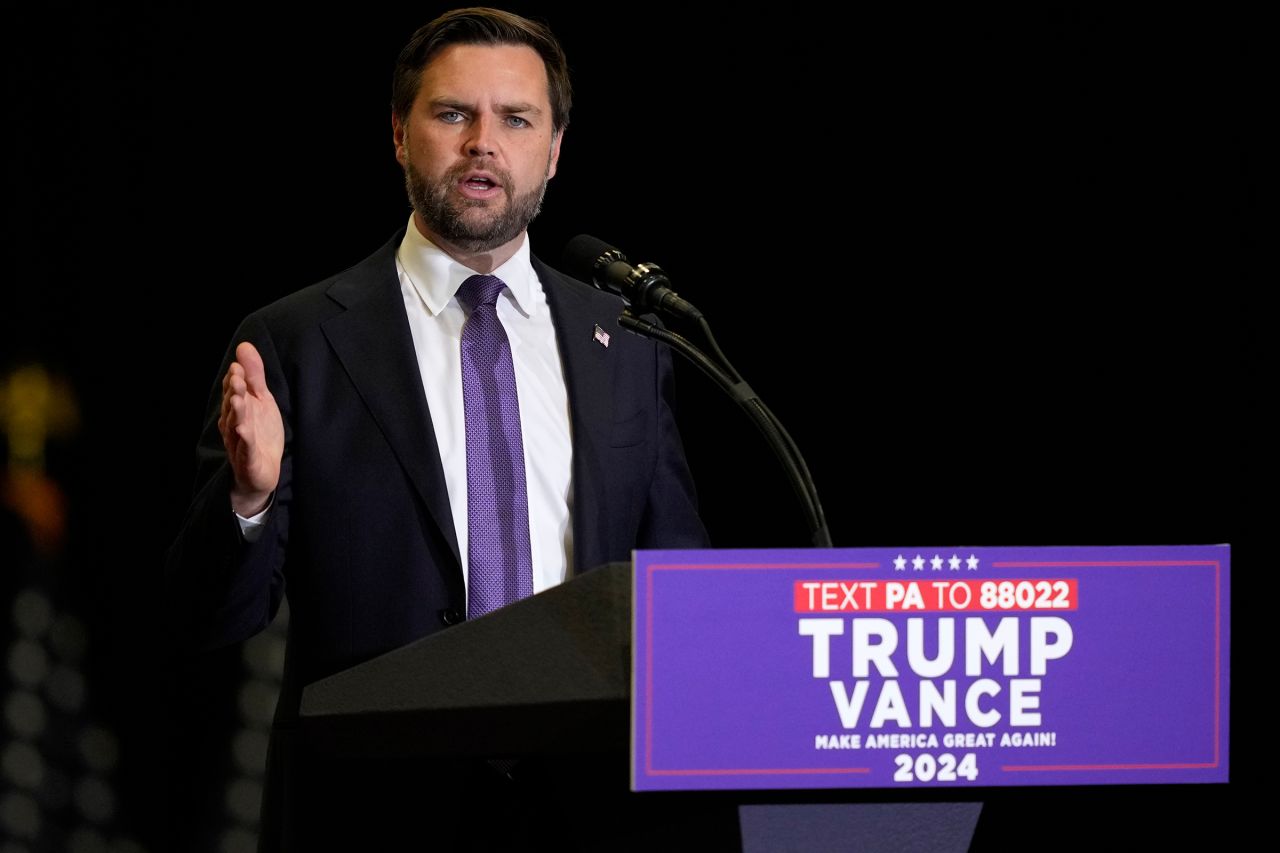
x=361, y=528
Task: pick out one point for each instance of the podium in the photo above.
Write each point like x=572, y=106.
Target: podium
x=550, y=676
x=546, y=675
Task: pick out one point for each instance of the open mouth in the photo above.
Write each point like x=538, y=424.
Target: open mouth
x=480, y=182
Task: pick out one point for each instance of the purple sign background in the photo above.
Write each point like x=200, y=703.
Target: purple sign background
x=726, y=695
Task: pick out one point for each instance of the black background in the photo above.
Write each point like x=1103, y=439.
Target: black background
x=989, y=269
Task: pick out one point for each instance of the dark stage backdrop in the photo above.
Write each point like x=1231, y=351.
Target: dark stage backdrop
x=989, y=269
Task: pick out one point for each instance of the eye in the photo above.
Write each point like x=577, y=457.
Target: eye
x=450, y=117
x=517, y=121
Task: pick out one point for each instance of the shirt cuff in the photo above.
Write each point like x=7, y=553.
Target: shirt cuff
x=251, y=528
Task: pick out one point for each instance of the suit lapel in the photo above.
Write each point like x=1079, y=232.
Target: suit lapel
x=588, y=377
x=372, y=341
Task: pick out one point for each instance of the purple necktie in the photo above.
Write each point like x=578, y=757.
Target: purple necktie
x=499, y=563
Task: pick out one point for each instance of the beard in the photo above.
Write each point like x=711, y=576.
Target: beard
x=471, y=225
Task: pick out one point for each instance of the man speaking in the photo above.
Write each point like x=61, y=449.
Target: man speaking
x=444, y=428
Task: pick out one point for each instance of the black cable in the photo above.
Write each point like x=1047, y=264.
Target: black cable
x=775, y=434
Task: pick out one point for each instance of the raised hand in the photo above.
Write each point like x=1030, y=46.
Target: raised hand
x=252, y=431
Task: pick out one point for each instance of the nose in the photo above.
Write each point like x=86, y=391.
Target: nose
x=481, y=142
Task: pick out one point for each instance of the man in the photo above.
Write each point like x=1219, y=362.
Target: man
x=350, y=455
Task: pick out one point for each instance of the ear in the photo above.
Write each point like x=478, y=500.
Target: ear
x=397, y=137
x=555, y=154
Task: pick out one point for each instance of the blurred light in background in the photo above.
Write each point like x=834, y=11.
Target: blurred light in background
x=57, y=761
x=263, y=657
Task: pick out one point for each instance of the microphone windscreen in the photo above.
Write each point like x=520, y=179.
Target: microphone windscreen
x=581, y=254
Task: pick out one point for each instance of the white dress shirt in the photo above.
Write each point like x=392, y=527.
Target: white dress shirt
x=429, y=281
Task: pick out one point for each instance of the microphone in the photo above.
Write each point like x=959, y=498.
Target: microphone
x=645, y=287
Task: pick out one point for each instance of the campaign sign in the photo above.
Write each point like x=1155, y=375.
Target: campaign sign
x=850, y=668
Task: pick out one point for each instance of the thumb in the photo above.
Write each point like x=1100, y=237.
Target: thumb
x=255, y=375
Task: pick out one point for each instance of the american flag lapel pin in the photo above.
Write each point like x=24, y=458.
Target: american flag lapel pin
x=601, y=336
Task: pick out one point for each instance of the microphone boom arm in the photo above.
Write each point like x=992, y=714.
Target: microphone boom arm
x=779, y=440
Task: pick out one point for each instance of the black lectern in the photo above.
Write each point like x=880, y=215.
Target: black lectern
x=546, y=675
x=551, y=676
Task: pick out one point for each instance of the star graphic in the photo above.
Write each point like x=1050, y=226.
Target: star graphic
x=900, y=564
x=936, y=562
x=973, y=563
x=954, y=562
x=918, y=563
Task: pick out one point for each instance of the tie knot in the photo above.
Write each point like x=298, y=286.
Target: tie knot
x=480, y=290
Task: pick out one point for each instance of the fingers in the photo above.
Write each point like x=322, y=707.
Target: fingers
x=255, y=375
x=250, y=425
x=246, y=375
x=235, y=387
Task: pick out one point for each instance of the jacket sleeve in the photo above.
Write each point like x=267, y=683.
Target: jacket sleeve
x=219, y=588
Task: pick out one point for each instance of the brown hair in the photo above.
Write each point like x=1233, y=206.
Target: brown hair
x=481, y=26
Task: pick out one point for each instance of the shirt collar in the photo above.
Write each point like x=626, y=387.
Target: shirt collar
x=436, y=277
